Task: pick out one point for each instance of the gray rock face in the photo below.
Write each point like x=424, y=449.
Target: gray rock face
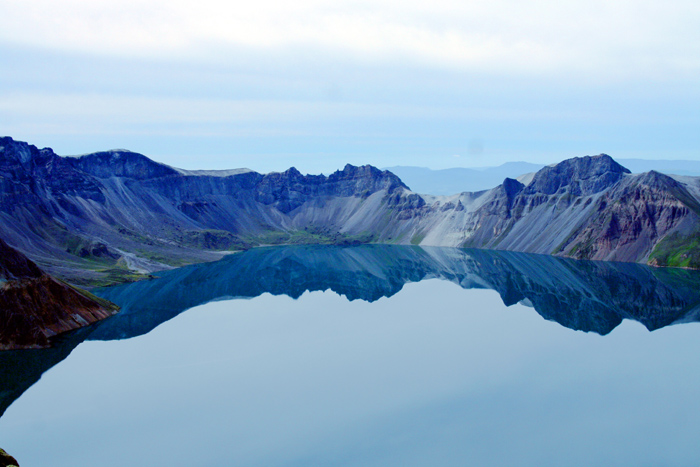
x=119, y=209
x=120, y=163
x=581, y=176
x=632, y=217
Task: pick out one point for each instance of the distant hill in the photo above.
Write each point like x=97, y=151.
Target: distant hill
x=676, y=167
x=460, y=179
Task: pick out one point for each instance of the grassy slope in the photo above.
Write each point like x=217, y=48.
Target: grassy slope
x=677, y=250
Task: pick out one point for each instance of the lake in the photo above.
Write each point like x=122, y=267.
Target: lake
x=371, y=356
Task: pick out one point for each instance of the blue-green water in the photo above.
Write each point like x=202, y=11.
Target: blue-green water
x=373, y=356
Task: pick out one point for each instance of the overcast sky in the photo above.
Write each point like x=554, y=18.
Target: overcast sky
x=269, y=84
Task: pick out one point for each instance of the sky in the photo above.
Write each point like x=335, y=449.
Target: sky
x=317, y=84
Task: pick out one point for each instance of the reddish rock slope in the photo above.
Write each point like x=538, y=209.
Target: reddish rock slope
x=35, y=307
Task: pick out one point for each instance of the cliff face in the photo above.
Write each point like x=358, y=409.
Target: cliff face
x=632, y=218
x=111, y=214
x=35, y=307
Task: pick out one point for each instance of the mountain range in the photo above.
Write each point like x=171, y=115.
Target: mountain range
x=459, y=179
x=116, y=215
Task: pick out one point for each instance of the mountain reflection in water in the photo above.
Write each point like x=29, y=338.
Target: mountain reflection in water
x=580, y=295
x=589, y=296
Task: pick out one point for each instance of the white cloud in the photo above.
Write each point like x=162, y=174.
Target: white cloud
x=337, y=79
x=109, y=111
x=505, y=36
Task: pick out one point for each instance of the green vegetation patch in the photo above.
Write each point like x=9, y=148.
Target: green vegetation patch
x=103, y=303
x=580, y=250
x=569, y=238
x=417, y=238
x=109, y=277
x=311, y=235
x=212, y=240
x=677, y=250
x=583, y=250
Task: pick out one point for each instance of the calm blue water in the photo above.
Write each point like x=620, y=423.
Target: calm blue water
x=433, y=374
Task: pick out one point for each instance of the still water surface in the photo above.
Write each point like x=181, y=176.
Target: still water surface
x=432, y=374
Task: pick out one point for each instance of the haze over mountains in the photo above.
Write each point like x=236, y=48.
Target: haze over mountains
x=107, y=216
x=459, y=179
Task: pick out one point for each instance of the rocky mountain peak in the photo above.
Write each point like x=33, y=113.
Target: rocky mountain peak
x=663, y=184
x=121, y=163
x=579, y=176
x=512, y=187
x=15, y=150
x=20, y=155
x=368, y=177
x=293, y=172
x=655, y=179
